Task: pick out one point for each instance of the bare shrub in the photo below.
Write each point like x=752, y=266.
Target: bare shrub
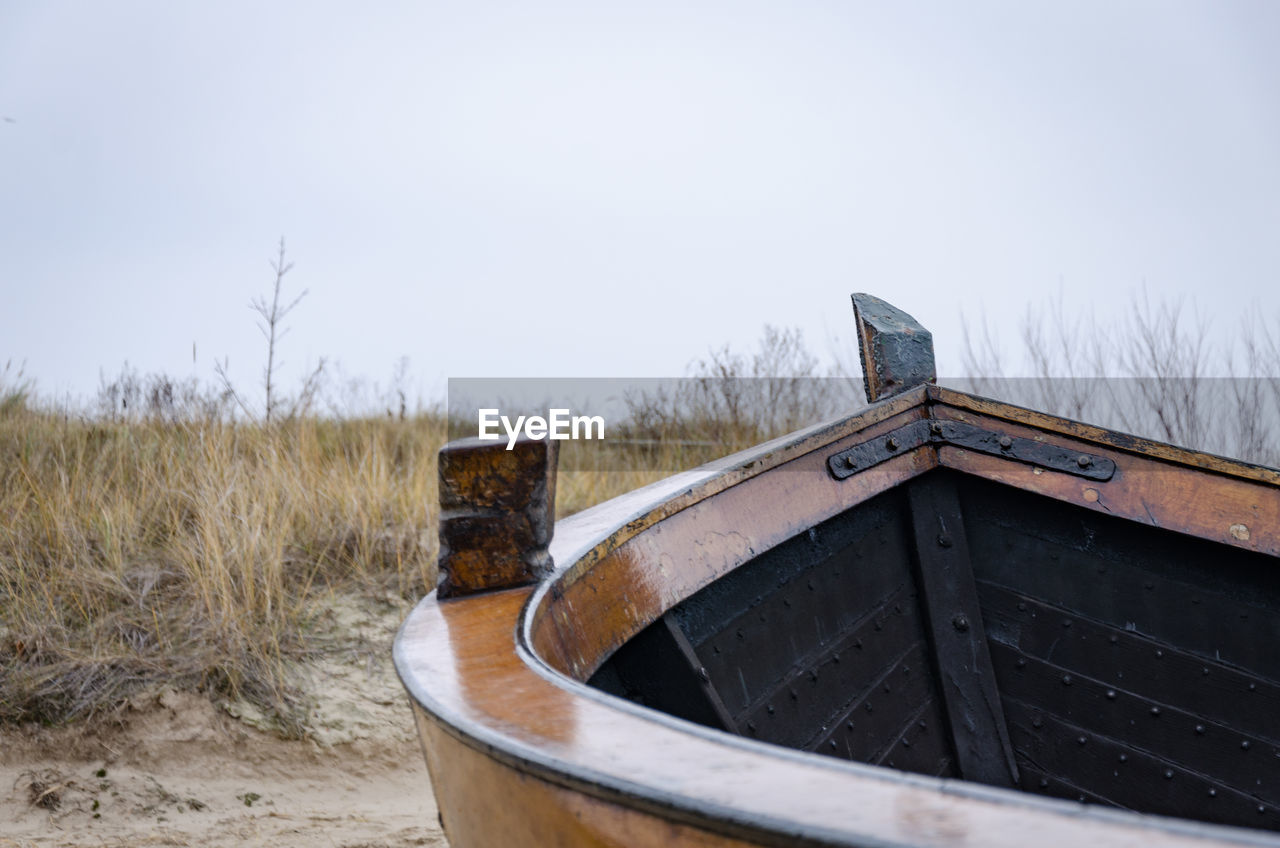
x=1155, y=371
x=735, y=398
x=271, y=316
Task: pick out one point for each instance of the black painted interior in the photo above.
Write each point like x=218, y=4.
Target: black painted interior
x=1135, y=667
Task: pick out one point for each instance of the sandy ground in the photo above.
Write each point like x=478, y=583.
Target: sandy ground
x=175, y=769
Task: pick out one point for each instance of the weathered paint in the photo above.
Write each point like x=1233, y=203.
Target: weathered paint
x=497, y=514
x=897, y=352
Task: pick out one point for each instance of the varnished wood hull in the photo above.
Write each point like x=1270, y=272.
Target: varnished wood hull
x=858, y=592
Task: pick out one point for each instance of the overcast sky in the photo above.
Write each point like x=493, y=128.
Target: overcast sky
x=608, y=189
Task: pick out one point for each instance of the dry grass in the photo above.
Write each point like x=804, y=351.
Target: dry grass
x=197, y=553
x=194, y=553
x=158, y=542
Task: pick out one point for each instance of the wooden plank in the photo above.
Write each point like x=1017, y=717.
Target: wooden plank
x=1127, y=776
x=1221, y=604
x=658, y=668
x=484, y=803
x=795, y=708
x=968, y=684
x=922, y=746
x=1151, y=669
x=797, y=601
x=876, y=710
x=1106, y=708
x=1238, y=510
x=962, y=403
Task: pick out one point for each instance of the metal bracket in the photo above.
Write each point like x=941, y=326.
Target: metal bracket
x=850, y=461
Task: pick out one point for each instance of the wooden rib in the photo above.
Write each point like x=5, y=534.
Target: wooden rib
x=950, y=600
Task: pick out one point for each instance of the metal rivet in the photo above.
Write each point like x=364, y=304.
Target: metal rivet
x=944, y=541
x=1111, y=694
x=751, y=726
x=794, y=696
x=868, y=707
x=1213, y=793
x=833, y=744
x=1200, y=729
x=906, y=743
x=1080, y=740
x=922, y=724
x=1006, y=442
x=1261, y=809
x=1084, y=460
x=891, y=444
x=960, y=623
x=849, y=725
x=1168, y=774
x=935, y=428
x=1043, y=783
x=1124, y=758
x=1021, y=663
x=770, y=709
x=1115, y=640
x=1066, y=622
x=1205, y=672
x=835, y=658
x=1155, y=711
x=1244, y=746
x=1159, y=655
x=850, y=462
x=1037, y=722
x=1066, y=680
x=1080, y=798
x=1253, y=687
x=702, y=673
x=1022, y=607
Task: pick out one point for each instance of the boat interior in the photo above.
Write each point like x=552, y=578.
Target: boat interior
x=960, y=627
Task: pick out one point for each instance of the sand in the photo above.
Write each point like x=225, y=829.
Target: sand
x=176, y=769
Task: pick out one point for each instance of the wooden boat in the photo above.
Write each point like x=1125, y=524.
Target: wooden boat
x=944, y=621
